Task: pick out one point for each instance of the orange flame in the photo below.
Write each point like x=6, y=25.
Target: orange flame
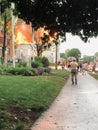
x=23, y=34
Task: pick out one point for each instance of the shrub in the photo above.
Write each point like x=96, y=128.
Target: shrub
x=45, y=62
x=3, y=69
x=11, y=70
x=40, y=62
x=40, y=71
x=26, y=71
x=22, y=64
x=30, y=72
x=47, y=70
x=38, y=59
x=36, y=64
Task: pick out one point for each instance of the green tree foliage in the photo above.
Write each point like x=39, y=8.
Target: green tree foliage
x=66, y=53
x=62, y=55
x=4, y=4
x=74, y=53
x=80, y=17
x=40, y=48
x=5, y=17
x=96, y=54
x=87, y=59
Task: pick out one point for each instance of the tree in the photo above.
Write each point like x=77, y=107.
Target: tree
x=40, y=47
x=80, y=17
x=62, y=55
x=5, y=12
x=87, y=59
x=96, y=54
x=66, y=53
x=74, y=53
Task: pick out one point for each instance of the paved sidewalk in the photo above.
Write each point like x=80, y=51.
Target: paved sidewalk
x=75, y=108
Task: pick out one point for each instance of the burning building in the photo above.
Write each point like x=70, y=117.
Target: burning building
x=26, y=41
x=23, y=42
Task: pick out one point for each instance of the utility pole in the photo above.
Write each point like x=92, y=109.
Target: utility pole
x=13, y=23
x=56, y=54
x=33, y=34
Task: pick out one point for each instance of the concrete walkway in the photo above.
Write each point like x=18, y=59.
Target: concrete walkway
x=75, y=108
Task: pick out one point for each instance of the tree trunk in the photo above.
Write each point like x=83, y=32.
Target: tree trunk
x=4, y=41
x=39, y=50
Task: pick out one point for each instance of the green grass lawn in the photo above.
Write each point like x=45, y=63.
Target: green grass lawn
x=23, y=99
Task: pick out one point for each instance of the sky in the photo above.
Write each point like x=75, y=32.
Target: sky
x=89, y=48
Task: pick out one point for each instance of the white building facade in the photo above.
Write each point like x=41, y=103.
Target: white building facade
x=50, y=53
x=24, y=52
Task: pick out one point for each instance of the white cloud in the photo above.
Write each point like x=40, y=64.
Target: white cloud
x=89, y=48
